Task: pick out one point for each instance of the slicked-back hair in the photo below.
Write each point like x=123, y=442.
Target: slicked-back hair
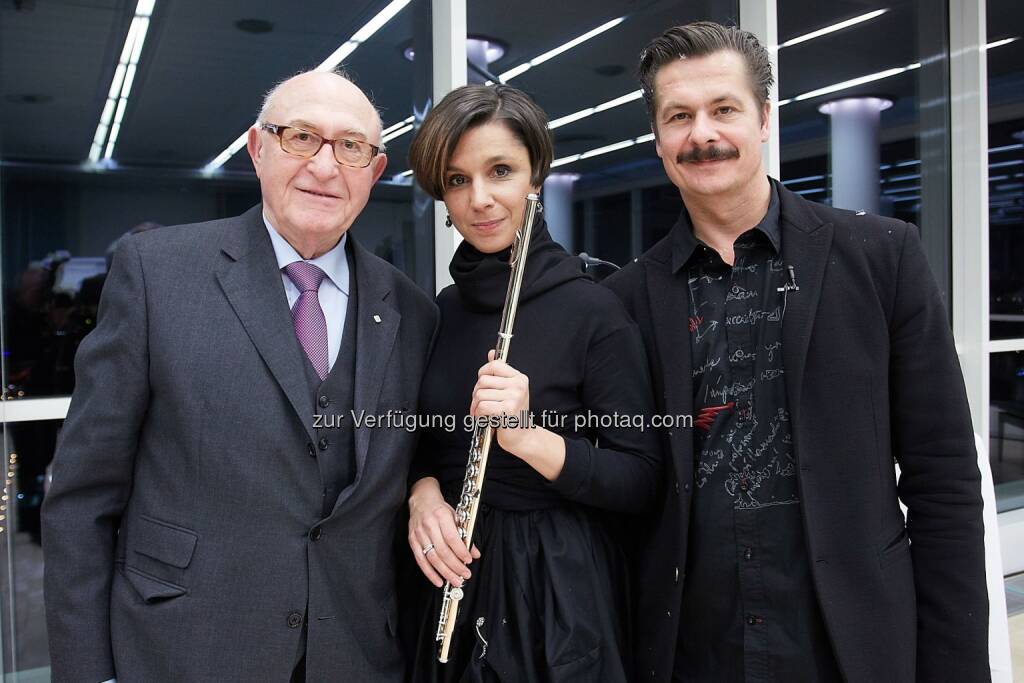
x=470, y=106
x=699, y=39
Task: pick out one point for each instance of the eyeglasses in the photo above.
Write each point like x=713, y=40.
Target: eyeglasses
x=302, y=143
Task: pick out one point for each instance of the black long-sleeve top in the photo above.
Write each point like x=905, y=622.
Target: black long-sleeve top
x=588, y=382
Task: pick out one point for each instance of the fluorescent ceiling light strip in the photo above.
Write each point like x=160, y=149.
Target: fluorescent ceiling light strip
x=140, y=38
x=1005, y=148
x=526, y=66
x=1000, y=43
x=834, y=27
x=336, y=58
x=898, y=178
x=540, y=59
x=853, y=82
x=396, y=133
x=392, y=128
x=231, y=151
x=597, y=151
x=589, y=111
x=805, y=179
x=121, y=83
x=404, y=174
x=813, y=190
x=362, y=35
x=1001, y=164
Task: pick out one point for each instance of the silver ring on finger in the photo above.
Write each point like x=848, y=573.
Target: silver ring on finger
x=427, y=549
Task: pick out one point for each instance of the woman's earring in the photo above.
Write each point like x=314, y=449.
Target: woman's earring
x=447, y=221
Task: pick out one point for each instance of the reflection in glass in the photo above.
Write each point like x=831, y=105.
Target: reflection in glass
x=1006, y=168
x=864, y=114
x=1006, y=444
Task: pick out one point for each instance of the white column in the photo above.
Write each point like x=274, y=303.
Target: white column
x=557, y=199
x=968, y=73
x=854, y=151
x=760, y=18
x=449, y=46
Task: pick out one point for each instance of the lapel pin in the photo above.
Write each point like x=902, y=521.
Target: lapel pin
x=376, y=318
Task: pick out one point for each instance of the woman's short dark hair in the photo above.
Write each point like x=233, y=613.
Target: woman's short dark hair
x=470, y=106
x=697, y=40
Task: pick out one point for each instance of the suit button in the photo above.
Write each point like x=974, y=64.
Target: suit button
x=686, y=487
x=677, y=575
x=677, y=488
x=324, y=401
x=294, y=620
x=316, y=533
x=311, y=450
x=323, y=444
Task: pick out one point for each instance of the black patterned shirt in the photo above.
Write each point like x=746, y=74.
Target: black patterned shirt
x=749, y=609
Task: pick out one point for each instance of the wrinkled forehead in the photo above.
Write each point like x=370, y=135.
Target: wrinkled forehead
x=329, y=103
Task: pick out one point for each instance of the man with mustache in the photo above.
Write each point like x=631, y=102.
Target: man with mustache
x=812, y=347
x=203, y=524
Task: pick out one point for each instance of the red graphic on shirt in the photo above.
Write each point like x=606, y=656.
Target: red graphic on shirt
x=695, y=322
x=707, y=415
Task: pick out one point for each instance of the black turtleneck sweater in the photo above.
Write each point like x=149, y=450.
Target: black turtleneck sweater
x=582, y=354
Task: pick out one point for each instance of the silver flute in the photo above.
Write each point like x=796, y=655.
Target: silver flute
x=483, y=436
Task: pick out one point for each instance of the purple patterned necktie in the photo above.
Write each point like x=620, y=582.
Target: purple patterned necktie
x=310, y=324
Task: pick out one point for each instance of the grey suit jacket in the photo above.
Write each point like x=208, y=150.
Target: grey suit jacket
x=177, y=529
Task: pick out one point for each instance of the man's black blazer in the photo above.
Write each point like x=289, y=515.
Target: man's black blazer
x=871, y=377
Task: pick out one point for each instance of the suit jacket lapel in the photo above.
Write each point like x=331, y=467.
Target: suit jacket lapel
x=806, y=243
x=252, y=284
x=376, y=331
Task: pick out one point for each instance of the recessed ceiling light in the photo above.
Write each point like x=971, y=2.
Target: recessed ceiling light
x=29, y=98
x=610, y=70
x=254, y=26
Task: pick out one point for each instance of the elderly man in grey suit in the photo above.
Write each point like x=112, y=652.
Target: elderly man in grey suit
x=206, y=521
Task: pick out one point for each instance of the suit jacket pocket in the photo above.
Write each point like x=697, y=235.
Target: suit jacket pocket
x=896, y=549
x=162, y=541
x=150, y=588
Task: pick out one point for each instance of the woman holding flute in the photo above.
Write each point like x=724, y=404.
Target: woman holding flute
x=545, y=587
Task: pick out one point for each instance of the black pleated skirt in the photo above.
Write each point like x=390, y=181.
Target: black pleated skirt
x=547, y=603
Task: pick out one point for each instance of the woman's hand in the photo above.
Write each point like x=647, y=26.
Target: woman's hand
x=502, y=390
x=434, y=538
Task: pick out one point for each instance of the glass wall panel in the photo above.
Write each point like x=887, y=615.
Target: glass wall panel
x=1006, y=168
x=606, y=156
x=1006, y=445
x=864, y=112
x=94, y=147
x=1005, y=25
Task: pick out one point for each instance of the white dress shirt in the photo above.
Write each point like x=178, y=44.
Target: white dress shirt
x=333, y=292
